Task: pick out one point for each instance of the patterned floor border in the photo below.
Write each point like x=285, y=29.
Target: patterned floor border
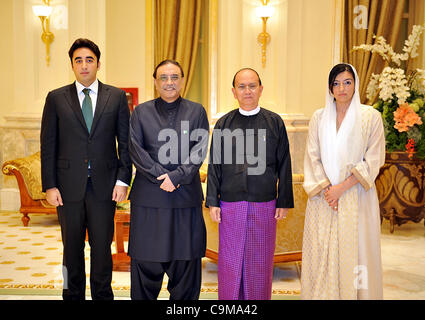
x=124, y=292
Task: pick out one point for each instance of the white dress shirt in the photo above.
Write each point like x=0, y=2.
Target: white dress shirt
x=94, y=87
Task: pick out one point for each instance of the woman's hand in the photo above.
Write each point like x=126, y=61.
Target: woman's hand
x=332, y=195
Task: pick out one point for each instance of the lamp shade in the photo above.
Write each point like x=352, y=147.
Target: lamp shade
x=264, y=11
x=42, y=11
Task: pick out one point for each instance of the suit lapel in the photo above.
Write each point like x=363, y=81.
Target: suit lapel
x=72, y=98
x=102, y=99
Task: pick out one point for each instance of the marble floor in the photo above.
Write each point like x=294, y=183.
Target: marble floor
x=31, y=264
x=403, y=259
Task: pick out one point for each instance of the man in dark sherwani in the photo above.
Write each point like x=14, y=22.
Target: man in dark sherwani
x=168, y=142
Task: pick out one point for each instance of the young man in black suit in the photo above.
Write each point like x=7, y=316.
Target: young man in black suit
x=83, y=172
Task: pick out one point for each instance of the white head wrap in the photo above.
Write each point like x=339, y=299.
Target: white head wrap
x=342, y=150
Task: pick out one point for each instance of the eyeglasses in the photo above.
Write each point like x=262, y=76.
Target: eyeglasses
x=251, y=87
x=345, y=83
x=173, y=77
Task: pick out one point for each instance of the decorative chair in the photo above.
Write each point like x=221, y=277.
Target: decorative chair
x=27, y=172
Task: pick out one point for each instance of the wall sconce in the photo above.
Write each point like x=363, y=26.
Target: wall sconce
x=43, y=12
x=264, y=12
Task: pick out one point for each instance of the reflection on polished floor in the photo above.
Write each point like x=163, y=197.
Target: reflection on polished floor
x=403, y=261
x=30, y=264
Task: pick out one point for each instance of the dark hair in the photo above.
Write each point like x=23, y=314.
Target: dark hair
x=336, y=70
x=168, y=61
x=84, y=43
x=234, y=77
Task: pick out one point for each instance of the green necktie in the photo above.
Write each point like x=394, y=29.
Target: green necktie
x=87, y=109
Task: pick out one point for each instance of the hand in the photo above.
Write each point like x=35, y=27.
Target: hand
x=333, y=205
x=215, y=213
x=119, y=193
x=332, y=195
x=281, y=213
x=166, y=185
x=53, y=196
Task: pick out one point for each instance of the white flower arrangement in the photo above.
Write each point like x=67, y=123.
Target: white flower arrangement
x=400, y=95
x=418, y=82
x=393, y=80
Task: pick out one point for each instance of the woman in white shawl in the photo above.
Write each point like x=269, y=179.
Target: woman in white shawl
x=345, y=150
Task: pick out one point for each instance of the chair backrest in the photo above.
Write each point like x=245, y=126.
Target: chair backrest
x=289, y=233
x=30, y=169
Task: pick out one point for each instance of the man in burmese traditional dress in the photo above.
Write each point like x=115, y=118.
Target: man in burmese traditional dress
x=249, y=193
x=168, y=142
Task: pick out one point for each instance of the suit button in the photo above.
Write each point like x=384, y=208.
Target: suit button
x=86, y=161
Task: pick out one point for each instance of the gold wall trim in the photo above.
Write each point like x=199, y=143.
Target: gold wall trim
x=212, y=58
x=338, y=26
x=149, y=58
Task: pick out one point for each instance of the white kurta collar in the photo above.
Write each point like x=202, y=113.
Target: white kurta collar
x=251, y=112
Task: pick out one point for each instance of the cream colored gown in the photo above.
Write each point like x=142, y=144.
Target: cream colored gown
x=341, y=257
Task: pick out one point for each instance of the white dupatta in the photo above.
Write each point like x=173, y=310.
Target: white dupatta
x=341, y=150
x=331, y=237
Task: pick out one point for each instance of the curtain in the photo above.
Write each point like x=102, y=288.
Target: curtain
x=416, y=16
x=177, y=29
x=384, y=19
